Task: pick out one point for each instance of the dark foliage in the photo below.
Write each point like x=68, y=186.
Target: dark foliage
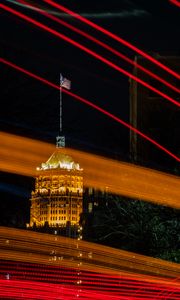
x=135, y=226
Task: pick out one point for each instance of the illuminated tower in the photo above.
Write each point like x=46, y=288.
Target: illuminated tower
x=58, y=195
x=57, y=200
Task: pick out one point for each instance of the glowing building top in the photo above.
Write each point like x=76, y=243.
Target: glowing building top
x=59, y=159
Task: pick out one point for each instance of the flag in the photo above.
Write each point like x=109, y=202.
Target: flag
x=64, y=82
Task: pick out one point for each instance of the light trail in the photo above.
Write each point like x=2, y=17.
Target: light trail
x=49, y=248
x=108, y=273
x=113, y=36
x=83, y=100
x=92, y=53
x=175, y=2
x=60, y=274
x=32, y=289
x=64, y=275
x=17, y=246
x=20, y=155
x=112, y=50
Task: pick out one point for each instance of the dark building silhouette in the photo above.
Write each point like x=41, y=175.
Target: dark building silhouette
x=155, y=116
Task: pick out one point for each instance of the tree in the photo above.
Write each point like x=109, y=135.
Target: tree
x=136, y=226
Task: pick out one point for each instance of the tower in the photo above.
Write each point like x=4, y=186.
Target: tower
x=57, y=200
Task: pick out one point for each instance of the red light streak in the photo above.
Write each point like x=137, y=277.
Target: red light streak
x=33, y=288
x=63, y=271
x=124, y=286
x=21, y=279
x=162, y=292
x=92, y=53
x=115, y=37
x=175, y=2
x=87, y=102
x=112, y=50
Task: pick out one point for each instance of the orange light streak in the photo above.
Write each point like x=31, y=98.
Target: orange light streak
x=21, y=155
x=54, y=251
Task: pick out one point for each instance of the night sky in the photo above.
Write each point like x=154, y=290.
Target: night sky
x=30, y=108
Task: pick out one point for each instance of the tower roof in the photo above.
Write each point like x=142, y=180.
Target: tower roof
x=60, y=160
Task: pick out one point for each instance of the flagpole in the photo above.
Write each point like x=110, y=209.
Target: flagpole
x=60, y=140
x=65, y=83
x=60, y=106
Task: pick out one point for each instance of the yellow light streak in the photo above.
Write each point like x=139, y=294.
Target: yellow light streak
x=22, y=155
x=32, y=247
